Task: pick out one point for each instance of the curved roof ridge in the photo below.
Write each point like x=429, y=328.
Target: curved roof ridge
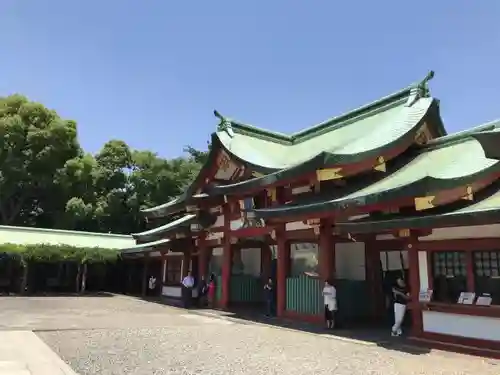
x=461, y=136
x=388, y=100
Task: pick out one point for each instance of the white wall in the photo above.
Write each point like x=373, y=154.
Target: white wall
x=423, y=270
x=391, y=260
x=350, y=260
x=476, y=327
x=175, y=291
x=474, y=231
x=251, y=259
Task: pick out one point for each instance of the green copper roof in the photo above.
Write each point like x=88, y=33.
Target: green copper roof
x=442, y=164
x=144, y=246
x=176, y=205
x=368, y=128
x=487, y=210
x=490, y=141
x=181, y=223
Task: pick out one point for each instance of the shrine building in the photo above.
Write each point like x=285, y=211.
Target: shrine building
x=378, y=193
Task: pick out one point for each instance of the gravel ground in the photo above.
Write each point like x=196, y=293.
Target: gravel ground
x=120, y=335
x=215, y=348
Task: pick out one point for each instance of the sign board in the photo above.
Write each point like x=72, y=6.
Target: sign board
x=466, y=298
x=484, y=300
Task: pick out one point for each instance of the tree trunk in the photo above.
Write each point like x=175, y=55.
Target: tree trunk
x=24, y=279
x=78, y=276
x=84, y=278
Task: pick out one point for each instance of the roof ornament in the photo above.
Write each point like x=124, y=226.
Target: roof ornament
x=420, y=90
x=224, y=124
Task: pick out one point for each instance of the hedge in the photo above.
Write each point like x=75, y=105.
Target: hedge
x=58, y=253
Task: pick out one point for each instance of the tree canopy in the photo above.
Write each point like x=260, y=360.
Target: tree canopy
x=47, y=180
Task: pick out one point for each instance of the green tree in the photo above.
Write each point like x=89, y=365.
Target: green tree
x=46, y=180
x=34, y=144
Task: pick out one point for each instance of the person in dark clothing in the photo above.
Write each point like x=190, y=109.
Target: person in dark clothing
x=202, y=292
x=269, y=297
x=401, y=298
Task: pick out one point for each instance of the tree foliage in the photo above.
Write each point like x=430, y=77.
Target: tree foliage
x=47, y=180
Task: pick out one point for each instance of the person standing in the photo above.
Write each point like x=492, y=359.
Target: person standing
x=401, y=297
x=269, y=297
x=152, y=285
x=202, y=292
x=187, y=290
x=330, y=303
x=211, y=291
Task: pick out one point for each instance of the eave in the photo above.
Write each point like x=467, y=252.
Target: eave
x=145, y=247
x=490, y=142
x=179, y=225
x=456, y=155
x=485, y=211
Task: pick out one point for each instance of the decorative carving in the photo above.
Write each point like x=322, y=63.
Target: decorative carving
x=420, y=90
x=223, y=161
x=423, y=135
x=224, y=125
x=469, y=195
x=380, y=166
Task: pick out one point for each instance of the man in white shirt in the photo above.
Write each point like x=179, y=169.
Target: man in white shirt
x=187, y=289
x=152, y=283
x=330, y=301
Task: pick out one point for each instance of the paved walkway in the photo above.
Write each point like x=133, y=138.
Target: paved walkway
x=23, y=353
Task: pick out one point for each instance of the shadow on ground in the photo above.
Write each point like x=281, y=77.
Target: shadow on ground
x=377, y=336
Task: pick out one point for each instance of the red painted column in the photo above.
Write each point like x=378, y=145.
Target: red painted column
x=414, y=276
x=283, y=250
x=227, y=259
x=326, y=250
x=202, y=255
x=283, y=254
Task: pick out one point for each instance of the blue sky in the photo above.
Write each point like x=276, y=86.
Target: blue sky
x=151, y=72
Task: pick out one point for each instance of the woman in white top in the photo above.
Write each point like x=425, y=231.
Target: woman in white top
x=330, y=299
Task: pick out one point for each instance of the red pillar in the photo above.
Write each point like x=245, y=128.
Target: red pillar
x=227, y=258
x=326, y=250
x=415, y=308
x=283, y=250
x=202, y=255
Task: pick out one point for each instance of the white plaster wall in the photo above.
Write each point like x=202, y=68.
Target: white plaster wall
x=155, y=254
x=350, y=261
x=251, y=261
x=219, y=222
x=296, y=225
x=391, y=260
x=474, y=231
x=301, y=190
x=164, y=277
x=217, y=251
x=215, y=235
x=380, y=237
x=175, y=291
x=423, y=270
x=476, y=327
